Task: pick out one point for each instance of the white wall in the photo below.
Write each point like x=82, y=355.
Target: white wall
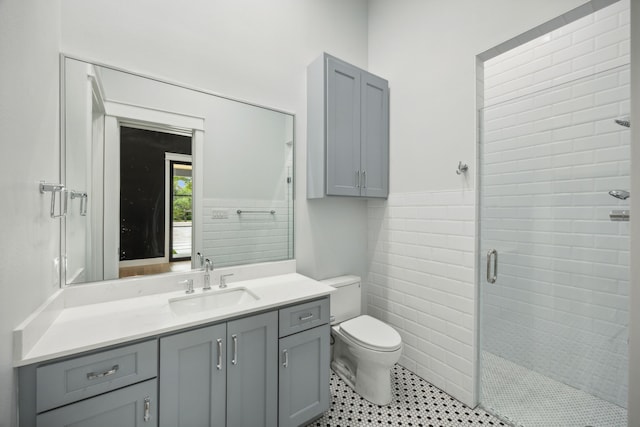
x=29, y=37
x=427, y=50
x=549, y=157
x=247, y=49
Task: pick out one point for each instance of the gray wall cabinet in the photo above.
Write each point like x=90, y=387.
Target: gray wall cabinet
x=347, y=131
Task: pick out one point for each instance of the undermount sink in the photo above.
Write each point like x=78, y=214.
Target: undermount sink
x=211, y=300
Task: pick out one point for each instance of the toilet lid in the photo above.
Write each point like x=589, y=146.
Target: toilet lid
x=371, y=333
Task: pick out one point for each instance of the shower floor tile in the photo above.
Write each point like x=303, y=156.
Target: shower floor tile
x=416, y=403
x=529, y=399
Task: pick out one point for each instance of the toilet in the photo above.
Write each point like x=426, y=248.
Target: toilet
x=364, y=348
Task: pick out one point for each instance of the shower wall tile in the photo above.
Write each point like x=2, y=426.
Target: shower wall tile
x=591, y=44
x=421, y=281
x=239, y=239
x=551, y=152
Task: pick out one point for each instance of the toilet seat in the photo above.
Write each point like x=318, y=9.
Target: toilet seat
x=371, y=333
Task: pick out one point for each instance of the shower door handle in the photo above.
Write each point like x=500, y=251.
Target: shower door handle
x=492, y=278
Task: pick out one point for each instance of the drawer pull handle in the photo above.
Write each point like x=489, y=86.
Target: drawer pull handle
x=94, y=376
x=147, y=409
x=234, y=359
x=219, y=365
x=305, y=317
x=285, y=364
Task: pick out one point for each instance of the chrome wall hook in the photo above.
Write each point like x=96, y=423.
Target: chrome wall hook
x=462, y=168
x=47, y=187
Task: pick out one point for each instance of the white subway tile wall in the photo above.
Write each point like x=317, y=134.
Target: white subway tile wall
x=230, y=238
x=421, y=281
x=550, y=153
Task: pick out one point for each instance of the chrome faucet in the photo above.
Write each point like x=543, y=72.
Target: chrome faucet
x=200, y=260
x=223, y=280
x=208, y=266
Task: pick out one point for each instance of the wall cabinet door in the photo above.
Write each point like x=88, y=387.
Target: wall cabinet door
x=252, y=377
x=133, y=406
x=193, y=378
x=375, y=136
x=347, y=131
x=304, y=376
x=343, y=129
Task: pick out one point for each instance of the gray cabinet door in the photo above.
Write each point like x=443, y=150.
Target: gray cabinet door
x=304, y=376
x=375, y=136
x=126, y=407
x=343, y=129
x=252, y=377
x=193, y=378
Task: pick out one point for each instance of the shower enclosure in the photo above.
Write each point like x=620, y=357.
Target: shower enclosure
x=554, y=250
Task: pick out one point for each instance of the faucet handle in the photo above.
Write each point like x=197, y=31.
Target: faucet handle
x=189, y=283
x=208, y=265
x=223, y=279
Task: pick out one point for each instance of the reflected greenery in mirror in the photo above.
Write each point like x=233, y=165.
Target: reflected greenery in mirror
x=169, y=171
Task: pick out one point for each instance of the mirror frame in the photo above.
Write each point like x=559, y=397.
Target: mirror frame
x=198, y=162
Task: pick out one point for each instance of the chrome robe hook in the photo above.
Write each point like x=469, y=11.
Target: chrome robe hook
x=462, y=168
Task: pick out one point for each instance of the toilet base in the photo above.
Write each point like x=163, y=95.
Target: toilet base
x=373, y=384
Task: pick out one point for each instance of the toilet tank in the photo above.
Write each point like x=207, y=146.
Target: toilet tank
x=346, y=301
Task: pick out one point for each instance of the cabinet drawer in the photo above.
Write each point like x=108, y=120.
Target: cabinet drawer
x=133, y=406
x=68, y=381
x=304, y=316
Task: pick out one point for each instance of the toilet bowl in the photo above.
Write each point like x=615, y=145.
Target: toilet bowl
x=364, y=349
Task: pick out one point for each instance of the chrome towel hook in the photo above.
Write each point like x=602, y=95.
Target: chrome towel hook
x=47, y=187
x=462, y=168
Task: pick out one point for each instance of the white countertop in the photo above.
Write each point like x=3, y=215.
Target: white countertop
x=79, y=328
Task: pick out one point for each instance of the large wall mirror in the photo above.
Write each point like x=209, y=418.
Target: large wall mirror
x=156, y=172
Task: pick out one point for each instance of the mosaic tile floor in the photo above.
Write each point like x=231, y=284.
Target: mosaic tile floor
x=416, y=403
x=530, y=399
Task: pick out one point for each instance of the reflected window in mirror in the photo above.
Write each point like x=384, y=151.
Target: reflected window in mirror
x=181, y=220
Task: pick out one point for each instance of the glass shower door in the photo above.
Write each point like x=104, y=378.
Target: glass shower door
x=554, y=255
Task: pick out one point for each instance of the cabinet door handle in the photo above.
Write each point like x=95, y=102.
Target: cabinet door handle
x=94, y=376
x=364, y=179
x=234, y=360
x=357, y=179
x=285, y=364
x=219, y=365
x=492, y=278
x=305, y=317
x=147, y=409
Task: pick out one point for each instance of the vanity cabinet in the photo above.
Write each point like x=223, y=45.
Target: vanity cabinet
x=347, y=131
x=193, y=377
x=111, y=387
x=268, y=369
x=221, y=375
x=134, y=406
x=304, y=362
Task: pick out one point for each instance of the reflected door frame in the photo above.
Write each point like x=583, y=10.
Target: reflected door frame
x=118, y=114
x=169, y=160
